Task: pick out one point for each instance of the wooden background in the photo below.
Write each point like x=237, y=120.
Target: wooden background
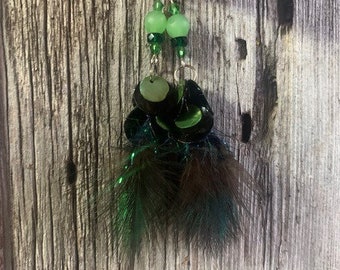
x=67, y=72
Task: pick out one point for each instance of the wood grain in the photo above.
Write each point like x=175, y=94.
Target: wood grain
x=66, y=82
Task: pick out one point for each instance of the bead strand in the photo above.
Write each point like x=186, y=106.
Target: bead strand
x=178, y=27
x=155, y=24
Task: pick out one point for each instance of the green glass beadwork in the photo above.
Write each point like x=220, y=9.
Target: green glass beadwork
x=155, y=48
x=158, y=5
x=179, y=41
x=180, y=51
x=155, y=38
x=178, y=26
x=174, y=9
x=155, y=22
x=154, y=89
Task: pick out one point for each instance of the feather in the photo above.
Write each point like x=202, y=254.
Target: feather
x=145, y=193
x=210, y=196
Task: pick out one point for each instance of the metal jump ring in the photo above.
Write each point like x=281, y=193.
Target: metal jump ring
x=182, y=67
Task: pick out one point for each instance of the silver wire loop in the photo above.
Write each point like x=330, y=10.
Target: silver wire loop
x=182, y=68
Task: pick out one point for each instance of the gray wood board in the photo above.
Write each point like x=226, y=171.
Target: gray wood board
x=69, y=71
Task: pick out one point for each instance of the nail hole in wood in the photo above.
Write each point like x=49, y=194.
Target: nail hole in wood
x=246, y=127
x=71, y=171
x=241, y=48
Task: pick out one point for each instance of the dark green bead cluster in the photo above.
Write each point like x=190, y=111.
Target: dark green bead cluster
x=177, y=27
x=155, y=40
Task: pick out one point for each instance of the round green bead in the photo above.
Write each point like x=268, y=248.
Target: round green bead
x=154, y=89
x=155, y=22
x=178, y=26
x=158, y=5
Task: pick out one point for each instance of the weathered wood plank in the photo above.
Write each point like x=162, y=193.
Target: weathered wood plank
x=5, y=185
x=70, y=70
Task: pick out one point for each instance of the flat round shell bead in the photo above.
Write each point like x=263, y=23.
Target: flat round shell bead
x=154, y=89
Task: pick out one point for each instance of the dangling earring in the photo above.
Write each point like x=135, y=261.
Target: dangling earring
x=209, y=195
x=147, y=186
x=178, y=174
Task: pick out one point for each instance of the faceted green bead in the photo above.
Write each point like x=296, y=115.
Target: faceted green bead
x=155, y=22
x=180, y=51
x=179, y=41
x=154, y=89
x=155, y=38
x=174, y=9
x=178, y=26
x=158, y=5
x=155, y=48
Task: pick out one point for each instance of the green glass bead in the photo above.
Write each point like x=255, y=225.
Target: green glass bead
x=178, y=26
x=155, y=38
x=174, y=9
x=179, y=41
x=154, y=89
x=155, y=22
x=190, y=118
x=158, y=5
x=155, y=48
x=180, y=51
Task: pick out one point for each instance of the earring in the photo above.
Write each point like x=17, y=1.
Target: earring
x=147, y=186
x=178, y=174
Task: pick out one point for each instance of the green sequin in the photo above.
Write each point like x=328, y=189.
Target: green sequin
x=178, y=26
x=161, y=124
x=190, y=118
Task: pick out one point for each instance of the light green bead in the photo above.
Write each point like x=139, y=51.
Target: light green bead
x=155, y=22
x=154, y=89
x=178, y=26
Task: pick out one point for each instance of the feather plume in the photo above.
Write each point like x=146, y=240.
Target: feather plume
x=145, y=193
x=210, y=196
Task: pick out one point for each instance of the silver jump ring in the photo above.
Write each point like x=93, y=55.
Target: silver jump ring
x=182, y=67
